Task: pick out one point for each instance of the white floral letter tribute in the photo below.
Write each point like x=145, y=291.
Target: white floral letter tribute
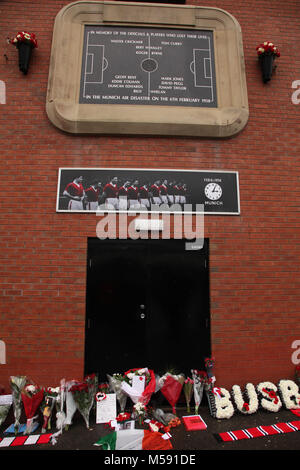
x=290, y=394
x=270, y=400
x=266, y=395
x=249, y=405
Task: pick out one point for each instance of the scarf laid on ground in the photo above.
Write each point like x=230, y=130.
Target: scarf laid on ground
x=25, y=440
x=259, y=431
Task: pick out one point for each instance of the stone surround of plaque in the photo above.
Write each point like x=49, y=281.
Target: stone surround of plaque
x=153, y=69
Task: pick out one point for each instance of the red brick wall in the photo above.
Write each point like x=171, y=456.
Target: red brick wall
x=254, y=257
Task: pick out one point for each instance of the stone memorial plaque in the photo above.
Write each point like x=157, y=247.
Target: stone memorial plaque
x=131, y=68
x=154, y=66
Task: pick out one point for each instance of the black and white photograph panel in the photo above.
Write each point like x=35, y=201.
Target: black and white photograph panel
x=127, y=190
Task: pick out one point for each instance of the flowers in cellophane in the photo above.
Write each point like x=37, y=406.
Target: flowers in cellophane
x=267, y=48
x=139, y=411
x=188, y=392
x=139, y=394
x=50, y=400
x=171, y=387
x=32, y=396
x=27, y=38
x=17, y=383
x=200, y=380
x=115, y=383
x=84, y=395
x=128, y=376
x=4, y=407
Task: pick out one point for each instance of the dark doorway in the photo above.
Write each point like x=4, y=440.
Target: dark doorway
x=147, y=305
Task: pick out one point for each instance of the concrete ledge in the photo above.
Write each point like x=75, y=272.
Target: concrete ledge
x=66, y=113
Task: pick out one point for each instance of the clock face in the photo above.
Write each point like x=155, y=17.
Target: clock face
x=213, y=191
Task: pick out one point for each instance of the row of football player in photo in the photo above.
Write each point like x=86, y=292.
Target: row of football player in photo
x=123, y=195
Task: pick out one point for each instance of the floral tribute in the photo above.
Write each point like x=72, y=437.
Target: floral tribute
x=188, y=388
x=115, y=384
x=289, y=393
x=171, y=387
x=103, y=390
x=267, y=48
x=17, y=383
x=220, y=404
x=266, y=395
x=4, y=407
x=245, y=402
x=139, y=412
x=200, y=379
x=139, y=384
x=32, y=396
x=51, y=395
x=84, y=394
x=25, y=37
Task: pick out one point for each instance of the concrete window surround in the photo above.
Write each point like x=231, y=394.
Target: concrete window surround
x=66, y=113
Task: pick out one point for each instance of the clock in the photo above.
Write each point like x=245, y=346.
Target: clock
x=213, y=191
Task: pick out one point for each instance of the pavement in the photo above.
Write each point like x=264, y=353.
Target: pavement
x=188, y=445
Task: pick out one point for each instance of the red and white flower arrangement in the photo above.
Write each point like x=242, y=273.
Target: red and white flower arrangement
x=267, y=48
x=84, y=394
x=25, y=37
x=139, y=411
x=171, y=387
x=103, y=391
x=32, y=397
x=141, y=394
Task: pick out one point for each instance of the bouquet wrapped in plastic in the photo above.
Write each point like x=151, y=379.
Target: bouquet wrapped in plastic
x=50, y=398
x=17, y=383
x=5, y=404
x=32, y=397
x=171, y=387
x=115, y=383
x=188, y=392
x=71, y=406
x=199, y=379
x=139, y=385
x=84, y=395
x=139, y=412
